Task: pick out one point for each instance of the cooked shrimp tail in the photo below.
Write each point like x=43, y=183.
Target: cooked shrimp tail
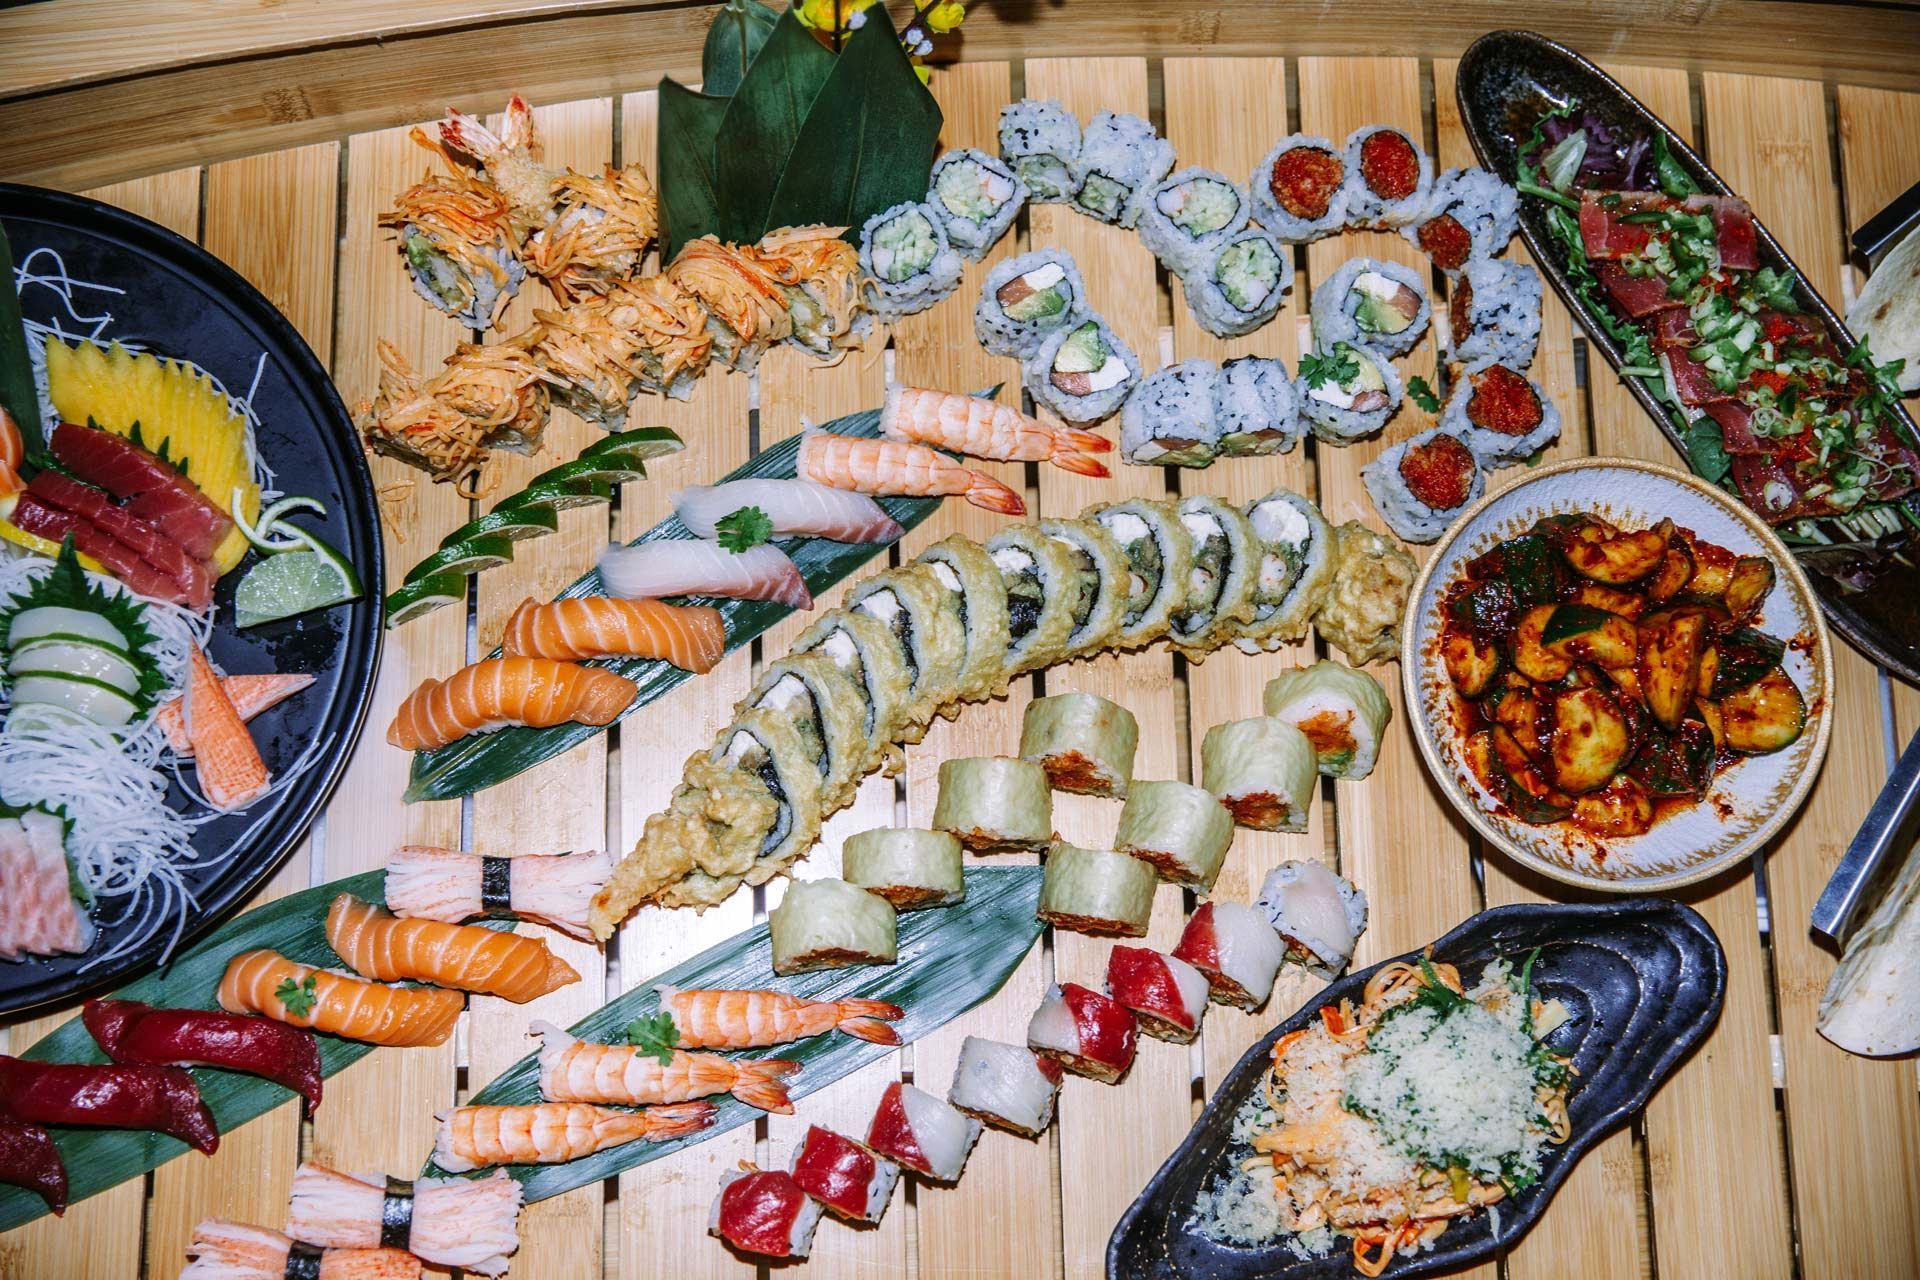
x=986, y=492
x=679, y=1119
x=1075, y=440
x=1081, y=464
x=763, y=1084
x=867, y=1020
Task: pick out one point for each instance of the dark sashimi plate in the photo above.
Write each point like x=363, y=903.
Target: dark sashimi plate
x=177, y=300
x=1870, y=590
x=1643, y=981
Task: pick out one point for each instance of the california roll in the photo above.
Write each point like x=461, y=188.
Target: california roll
x=1040, y=140
x=1241, y=285
x=907, y=261
x=1121, y=159
x=976, y=197
x=1189, y=214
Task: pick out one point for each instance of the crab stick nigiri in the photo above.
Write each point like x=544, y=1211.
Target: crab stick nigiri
x=690, y=568
x=1236, y=948
x=554, y=1132
x=288, y=991
x=377, y=944
x=453, y=886
x=1166, y=994
x=691, y=637
x=928, y=1135
x=223, y=1250
x=581, y=1071
x=469, y=1223
x=1087, y=1033
x=896, y=467
x=765, y=1212
x=722, y=1019
x=983, y=428
x=497, y=692
x=791, y=506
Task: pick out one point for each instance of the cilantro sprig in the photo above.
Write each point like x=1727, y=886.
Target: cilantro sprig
x=654, y=1035
x=1339, y=366
x=747, y=527
x=298, y=998
x=1421, y=393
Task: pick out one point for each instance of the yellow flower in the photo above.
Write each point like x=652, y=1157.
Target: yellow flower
x=820, y=14
x=945, y=16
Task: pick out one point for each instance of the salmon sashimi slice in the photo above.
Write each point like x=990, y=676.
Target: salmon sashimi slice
x=983, y=428
x=337, y=1003
x=152, y=489
x=250, y=695
x=496, y=692
x=581, y=1071
x=691, y=637
x=716, y=1018
x=377, y=944
x=555, y=1132
x=232, y=775
x=896, y=467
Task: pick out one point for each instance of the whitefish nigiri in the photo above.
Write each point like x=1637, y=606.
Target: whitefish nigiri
x=1318, y=915
x=1236, y=948
x=793, y=507
x=655, y=569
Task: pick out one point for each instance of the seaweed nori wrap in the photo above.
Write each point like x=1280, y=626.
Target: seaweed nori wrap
x=1178, y=828
x=830, y=924
x=1045, y=589
x=869, y=653
x=1159, y=552
x=924, y=618
x=1121, y=159
x=908, y=867
x=1263, y=770
x=1226, y=563
x=1296, y=568
x=995, y=804
x=1096, y=616
x=1096, y=891
x=827, y=708
x=765, y=743
x=1083, y=741
x=964, y=568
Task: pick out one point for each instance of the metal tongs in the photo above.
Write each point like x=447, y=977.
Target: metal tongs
x=1875, y=854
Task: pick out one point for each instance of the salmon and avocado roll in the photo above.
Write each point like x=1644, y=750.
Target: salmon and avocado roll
x=1255, y=407
x=1382, y=305
x=1083, y=373
x=1025, y=299
x=1348, y=391
x=1170, y=421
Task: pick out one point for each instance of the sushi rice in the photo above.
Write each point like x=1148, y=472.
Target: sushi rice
x=1494, y=315
x=1368, y=209
x=1405, y=513
x=1169, y=419
x=1483, y=206
x=1255, y=408
x=976, y=197
x=1296, y=568
x=1328, y=401
x=1083, y=373
x=1242, y=285
x=1190, y=214
x=1365, y=302
x=1121, y=160
x=1040, y=142
x=1026, y=299
x=1288, y=227
x=906, y=260
x=1342, y=712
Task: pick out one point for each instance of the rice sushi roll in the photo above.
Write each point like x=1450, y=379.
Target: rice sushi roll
x=909, y=868
x=1226, y=561
x=830, y=924
x=1088, y=1033
x=1178, y=829
x=924, y=618
x=1027, y=298
x=964, y=568
x=1349, y=392
x=1121, y=160
x=1263, y=770
x=844, y=1177
x=1188, y=214
x=1390, y=177
x=1008, y=1086
x=924, y=1133
x=1241, y=285
x=1164, y=993
x=1084, y=373
x=1501, y=414
x=1378, y=304
x=1159, y=552
x=867, y=652
x=1101, y=602
x=827, y=709
x=1470, y=214
x=1296, y=569
x=1043, y=580
x=906, y=260
x=1421, y=485
x=1318, y=915
x=1083, y=741
x=976, y=197
x=764, y=1212
x=994, y=804
x=1255, y=408
x=1168, y=420
x=1493, y=315
x=1300, y=189
x=1343, y=713
x=763, y=745
x=1040, y=140
x=1236, y=948
x=1096, y=891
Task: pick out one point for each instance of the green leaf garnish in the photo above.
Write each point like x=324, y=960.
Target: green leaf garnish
x=1338, y=366
x=654, y=1035
x=1707, y=450
x=747, y=527
x=18, y=395
x=300, y=998
x=1422, y=394
x=1669, y=172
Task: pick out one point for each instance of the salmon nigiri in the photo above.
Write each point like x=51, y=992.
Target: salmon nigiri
x=497, y=692
x=691, y=637
x=554, y=1132
x=232, y=775
x=250, y=695
x=377, y=944
x=303, y=996
x=983, y=428
x=896, y=467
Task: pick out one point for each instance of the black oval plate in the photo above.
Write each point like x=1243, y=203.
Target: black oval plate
x=1507, y=79
x=181, y=301
x=1643, y=980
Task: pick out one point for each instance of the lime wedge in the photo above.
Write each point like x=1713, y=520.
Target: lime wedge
x=609, y=468
x=512, y=523
x=638, y=444
x=423, y=596
x=463, y=558
x=294, y=582
x=559, y=495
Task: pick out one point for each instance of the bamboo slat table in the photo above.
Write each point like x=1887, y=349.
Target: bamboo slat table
x=1770, y=1154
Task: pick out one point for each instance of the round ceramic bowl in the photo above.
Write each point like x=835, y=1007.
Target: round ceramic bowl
x=1749, y=801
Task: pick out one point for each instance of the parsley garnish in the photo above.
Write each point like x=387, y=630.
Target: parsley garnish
x=300, y=998
x=654, y=1035
x=1707, y=450
x=1421, y=394
x=747, y=527
x=1338, y=366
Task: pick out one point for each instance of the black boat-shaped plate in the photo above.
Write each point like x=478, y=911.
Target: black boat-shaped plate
x=1507, y=80
x=1643, y=981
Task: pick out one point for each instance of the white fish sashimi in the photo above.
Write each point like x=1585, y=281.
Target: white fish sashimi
x=46, y=919
x=794, y=506
x=656, y=569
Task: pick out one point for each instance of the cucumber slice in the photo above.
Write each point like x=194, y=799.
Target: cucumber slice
x=614, y=469
x=83, y=659
x=89, y=699
x=558, y=495
x=414, y=599
x=464, y=558
x=512, y=523
x=638, y=444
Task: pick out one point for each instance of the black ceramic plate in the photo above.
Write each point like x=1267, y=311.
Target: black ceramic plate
x=178, y=300
x=1643, y=980
x=1507, y=79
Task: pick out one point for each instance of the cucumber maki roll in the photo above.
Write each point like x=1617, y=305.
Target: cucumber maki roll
x=994, y=804
x=1241, y=286
x=911, y=869
x=1296, y=569
x=1493, y=315
x=1382, y=305
x=1083, y=741
x=1040, y=141
x=907, y=261
x=1263, y=770
x=1159, y=553
x=1350, y=391
x=765, y=744
x=828, y=710
x=1096, y=891
x=1101, y=601
x=1026, y=299
x=924, y=619
x=1300, y=189
x=830, y=924
x=1177, y=828
x=1189, y=214
x=1046, y=586
x=1169, y=420
x=1501, y=414
x=1389, y=178
x=964, y=568
x=1471, y=214
x=1226, y=562
x=1255, y=408
x=1342, y=712
x=1421, y=484
x=976, y=197
x=1121, y=159
x=1083, y=373
x=867, y=652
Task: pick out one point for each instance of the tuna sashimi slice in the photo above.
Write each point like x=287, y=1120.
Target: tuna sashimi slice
x=43, y=520
x=1690, y=379
x=1638, y=296
x=93, y=505
x=155, y=492
x=1732, y=229
x=1736, y=426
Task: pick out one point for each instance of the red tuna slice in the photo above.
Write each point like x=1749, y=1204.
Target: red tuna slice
x=1602, y=232
x=1736, y=426
x=1691, y=381
x=1766, y=485
x=193, y=580
x=1638, y=296
x=1732, y=229
x=1674, y=328
x=1105, y=1027
x=43, y=520
x=154, y=491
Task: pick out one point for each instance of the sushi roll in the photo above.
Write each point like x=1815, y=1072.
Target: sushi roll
x=1044, y=579
x=1501, y=414
x=1318, y=915
x=911, y=869
x=1263, y=770
x=1169, y=420
x=827, y=709
x=1421, y=485
x=1236, y=948
x=1389, y=178
x=1255, y=408
x=968, y=573
x=976, y=197
x=1178, y=829
x=1088, y=1033
x=1121, y=160
x=1005, y=1085
x=1382, y=305
x=994, y=804
x=1164, y=993
x=1027, y=298
x=764, y=1212
x=1189, y=214
x=1159, y=552
x=1226, y=562
x=1471, y=214
x=869, y=654
x=1349, y=390
x=1096, y=891
x=1300, y=189
x=1241, y=285
x=830, y=924
x=924, y=1133
x=1296, y=569
x=906, y=260
x=1083, y=741
x=1342, y=712
x=1040, y=140
x=1083, y=373
x=764, y=745
x=924, y=619
x=844, y=1177
x=1493, y=315
x=1101, y=602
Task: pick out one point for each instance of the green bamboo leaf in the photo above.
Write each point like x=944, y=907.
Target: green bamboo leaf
x=738, y=32
x=683, y=165
x=762, y=121
x=948, y=964
x=17, y=394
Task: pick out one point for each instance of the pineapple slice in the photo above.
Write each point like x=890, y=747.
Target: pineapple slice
x=178, y=411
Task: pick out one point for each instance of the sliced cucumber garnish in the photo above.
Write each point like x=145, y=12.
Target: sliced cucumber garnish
x=262, y=532
x=463, y=558
x=415, y=599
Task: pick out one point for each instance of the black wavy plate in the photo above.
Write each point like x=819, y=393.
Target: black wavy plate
x=182, y=301
x=1643, y=980
x=1507, y=79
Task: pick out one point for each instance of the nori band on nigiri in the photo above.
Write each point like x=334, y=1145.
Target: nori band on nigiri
x=304, y=1261
x=496, y=884
x=396, y=1214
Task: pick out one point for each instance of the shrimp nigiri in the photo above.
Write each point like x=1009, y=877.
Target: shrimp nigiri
x=581, y=1071
x=982, y=428
x=446, y=884
x=691, y=637
x=793, y=507
x=470, y=1223
x=250, y=695
x=703, y=569
x=497, y=692
x=223, y=1250
x=303, y=996
x=232, y=775
x=377, y=944
x=896, y=467
x=719, y=1019
x=555, y=1132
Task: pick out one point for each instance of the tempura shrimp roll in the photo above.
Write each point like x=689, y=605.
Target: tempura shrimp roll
x=867, y=652
x=908, y=867
x=1236, y=948
x=1220, y=590
x=993, y=804
x=1083, y=741
x=827, y=709
x=1296, y=569
x=1008, y=1086
x=1044, y=585
x=1177, y=828
x=965, y=569
x=1263, y=770
x=830, y=924
x=765, y=744
x=1097, y=611
x=1342, y=712
x=924, y=618
x=1096, y=891
x=1318, y=915
x=1159, y=551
